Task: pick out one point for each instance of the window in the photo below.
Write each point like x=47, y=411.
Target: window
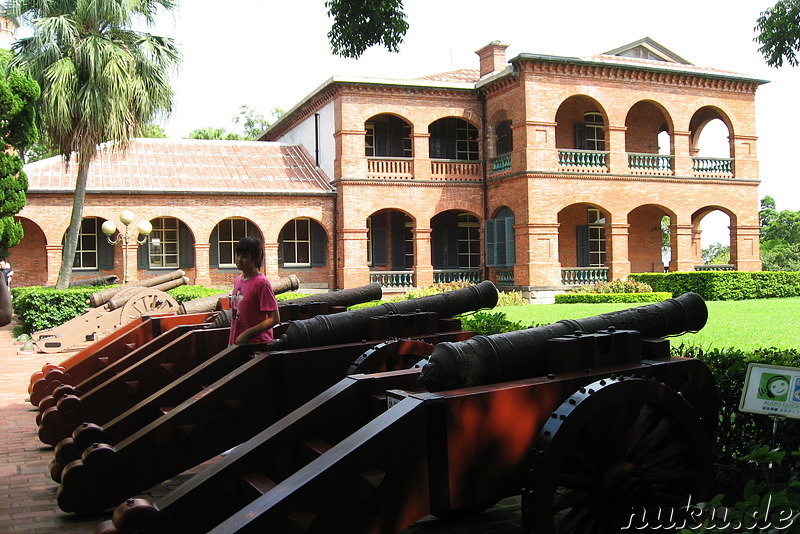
x=590, y=134
x=469, y=254
x=387, y=136
x=504, y=142
x=500, y=245
x=164, y=243
x=453, y=138
x=592, y=240
x=86, y=251
x=296, y=244
x=229, y=232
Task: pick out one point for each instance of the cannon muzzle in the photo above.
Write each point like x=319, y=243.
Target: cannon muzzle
x=516, y=355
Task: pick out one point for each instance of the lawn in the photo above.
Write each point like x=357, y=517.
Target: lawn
x=743, y=324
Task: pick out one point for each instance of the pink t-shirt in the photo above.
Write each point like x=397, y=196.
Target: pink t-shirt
x=250, y=301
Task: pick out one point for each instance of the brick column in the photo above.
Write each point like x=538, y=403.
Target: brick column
x=270, y=263
x=54, y=253
x=617, y=156
x=540, y=149
x=354, y=271
x=682, y=153
x=618, y=261
x=745, y=248
x=423, y=268
x=680, y=238
x=202, y=269
x=537, y=255
x=421, y=166
x=350, y=161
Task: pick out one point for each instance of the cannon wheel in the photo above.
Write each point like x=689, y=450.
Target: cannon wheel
x=615, y=448
x=150, y=301
x=391, y=355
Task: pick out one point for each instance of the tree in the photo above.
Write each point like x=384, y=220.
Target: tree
x=254, y=123
x=359, y=24
x=780, y=237
x=779, y=33
x=213, y=133
x=101, y=80
x=18, y=97
x=152, y=131
x=716, y=254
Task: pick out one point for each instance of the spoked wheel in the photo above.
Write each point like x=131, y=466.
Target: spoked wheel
x=391, y=355
x=147, y=302
x=619, y=451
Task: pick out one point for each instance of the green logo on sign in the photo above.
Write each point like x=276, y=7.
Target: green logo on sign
x=773, y=387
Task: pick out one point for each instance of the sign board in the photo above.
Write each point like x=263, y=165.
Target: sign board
x=771, y=390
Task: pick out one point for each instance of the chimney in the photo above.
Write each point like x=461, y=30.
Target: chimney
x=493, y=58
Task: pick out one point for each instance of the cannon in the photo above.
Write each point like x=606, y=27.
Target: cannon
x=143, y=366
x=235, y=394
x=610, y=425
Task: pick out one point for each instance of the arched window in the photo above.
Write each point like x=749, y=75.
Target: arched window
x=387, y=136
x=590, y=134
x=93, y=250
x=504, y=139
x=170, y=246
x=224, y=238
x=302, y=244
x=453, y=138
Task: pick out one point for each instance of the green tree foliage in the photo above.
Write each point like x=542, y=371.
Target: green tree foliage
x=152, y=131
x=101, y=80
x=717, y=254
x=253, y=122
x=18, y=97
x=213, y=133
x=779, y=33
x=359, y=24
x=780, y=237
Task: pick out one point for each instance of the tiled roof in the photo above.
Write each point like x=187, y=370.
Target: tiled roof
x=460, y=75
x=187, y=165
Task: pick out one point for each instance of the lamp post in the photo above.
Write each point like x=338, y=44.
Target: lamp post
x=143, y=228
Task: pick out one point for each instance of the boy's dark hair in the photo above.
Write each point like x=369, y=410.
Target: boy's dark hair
x=253, y=247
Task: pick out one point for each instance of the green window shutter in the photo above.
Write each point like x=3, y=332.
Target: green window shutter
x=105, y=253
x=186, y=247
x=398, y=241
x=213, y=251
x=143, y=255
x=438, y=242
x=582, y=241
x=511, y=249
x=580, y=136
x=318, y=244
x=451, y=244
x=380, y=255
x=491, y=248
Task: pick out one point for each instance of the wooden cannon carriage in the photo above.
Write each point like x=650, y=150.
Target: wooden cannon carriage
x=119, y=381
x=590, y=420
x=238, y=392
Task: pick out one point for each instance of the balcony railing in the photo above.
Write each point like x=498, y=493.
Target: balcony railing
x=392, y=279
x=578, y=276
x=505, y=277
x=583, y=160
x=501, y=163
x=390, y=168
x=656, y=164
x=456, y=170
x=442, y=276
x=712, y=167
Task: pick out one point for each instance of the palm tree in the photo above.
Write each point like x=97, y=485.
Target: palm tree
x=101, y=80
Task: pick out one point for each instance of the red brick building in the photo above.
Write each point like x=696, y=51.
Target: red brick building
x=536, y=172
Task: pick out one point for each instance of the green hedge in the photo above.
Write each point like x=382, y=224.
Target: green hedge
x=725, y=285
x=38, y=308
x=595, y=298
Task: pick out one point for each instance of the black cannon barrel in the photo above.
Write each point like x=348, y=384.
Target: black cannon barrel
x=513, y=355
x=350, y=326
x=345, y=297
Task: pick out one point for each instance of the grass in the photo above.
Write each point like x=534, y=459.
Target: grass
x=744, y=324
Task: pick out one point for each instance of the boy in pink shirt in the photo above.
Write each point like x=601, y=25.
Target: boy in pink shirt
x=253, y=304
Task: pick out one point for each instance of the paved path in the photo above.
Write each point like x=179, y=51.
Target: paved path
x=28, y=494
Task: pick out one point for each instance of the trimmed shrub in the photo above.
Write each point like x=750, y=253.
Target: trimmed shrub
x=511, y=298
x=615, y=286
x=725, y=285
x=488, y=323
x=183, y=293
x=596, y=298
x=38, y=308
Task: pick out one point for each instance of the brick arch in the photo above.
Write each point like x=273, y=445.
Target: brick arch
x=643, y=127
x=645, y=237
x=570, y=112
x=591, y=94
x=248, y=219
x=437, y=114
x=375, y=111
x=704, y=115
x=179, y=219
x=30, y=267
